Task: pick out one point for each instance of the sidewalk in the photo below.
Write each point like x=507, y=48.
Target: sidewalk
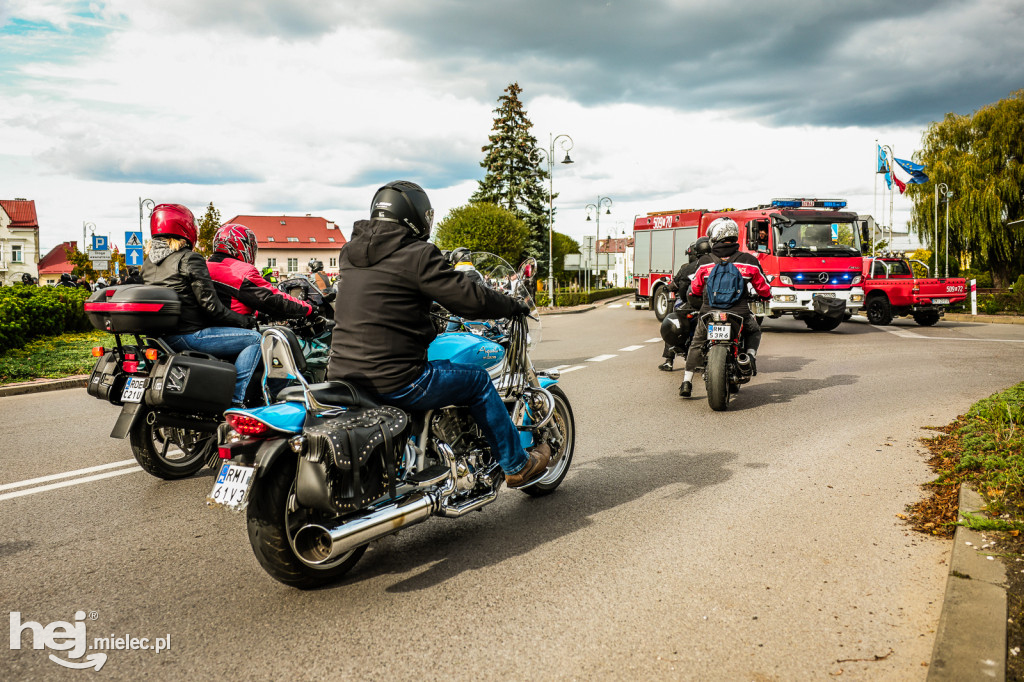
x=40, y=385
x=987, y=319
x=569, y=310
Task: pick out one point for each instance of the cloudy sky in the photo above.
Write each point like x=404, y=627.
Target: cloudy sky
x=291, y=106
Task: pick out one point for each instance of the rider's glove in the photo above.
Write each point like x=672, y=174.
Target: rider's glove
x=520, y=308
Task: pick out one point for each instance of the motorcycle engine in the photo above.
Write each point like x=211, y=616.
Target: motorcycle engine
x=455, y=427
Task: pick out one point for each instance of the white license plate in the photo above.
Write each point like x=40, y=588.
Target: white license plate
x=825, y=294
x=719, y=332
x=940, y=300
x=132, y=392
x=231, y=489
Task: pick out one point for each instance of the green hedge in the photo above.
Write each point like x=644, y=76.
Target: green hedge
x=27, y=312
x=571, y=298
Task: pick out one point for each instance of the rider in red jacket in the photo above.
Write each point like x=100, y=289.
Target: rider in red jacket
x=237, y=280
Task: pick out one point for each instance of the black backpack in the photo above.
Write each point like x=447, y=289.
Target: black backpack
x=725, y=284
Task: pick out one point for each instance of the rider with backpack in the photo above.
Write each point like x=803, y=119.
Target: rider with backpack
x=721, y=284
x=677, y=327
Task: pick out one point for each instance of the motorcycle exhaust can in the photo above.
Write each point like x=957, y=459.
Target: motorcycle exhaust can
x=743, y=362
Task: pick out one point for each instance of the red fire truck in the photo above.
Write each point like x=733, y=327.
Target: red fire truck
x=810, y=251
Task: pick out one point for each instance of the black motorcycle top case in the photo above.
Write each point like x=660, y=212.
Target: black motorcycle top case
x=190, y=381
x=134, y=309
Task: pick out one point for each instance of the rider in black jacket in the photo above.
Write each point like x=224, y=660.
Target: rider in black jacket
x=388, y=277
x=677, y=327
x=205, y=324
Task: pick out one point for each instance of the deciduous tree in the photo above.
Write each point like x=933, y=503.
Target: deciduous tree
x=208, y=226
x=483, y=226
x=981, y=158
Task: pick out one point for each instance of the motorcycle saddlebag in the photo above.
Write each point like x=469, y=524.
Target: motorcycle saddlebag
x=134, y=309
x=190, y=381
x=829, y=307
x=106, y=379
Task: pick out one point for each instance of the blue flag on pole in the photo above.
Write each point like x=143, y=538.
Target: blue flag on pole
x=888, y=179
x=881, y=166
x=916, y=170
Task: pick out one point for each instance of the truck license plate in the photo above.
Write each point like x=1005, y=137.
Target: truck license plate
x=825, y=294
x=132, y=392
x=231, y=489
x=940, y=300
x=719, y=332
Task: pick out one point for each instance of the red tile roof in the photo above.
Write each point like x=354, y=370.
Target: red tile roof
x=56, y=261
x=21, y=211
x=614, y=245
x=272, y=232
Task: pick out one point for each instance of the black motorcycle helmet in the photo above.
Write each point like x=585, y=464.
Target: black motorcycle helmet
x=315, y=265
x=405, y=203
x=65, y=277
x=458, y=255
x=26, y=278
x=701, y=246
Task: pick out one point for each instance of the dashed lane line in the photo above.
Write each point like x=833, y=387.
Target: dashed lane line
x=653, y=340
x=572, y=369
x=601, y=358
x=907, y=334
x=631, y=348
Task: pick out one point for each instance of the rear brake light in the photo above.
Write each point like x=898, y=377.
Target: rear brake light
x=129, y=356
x=246, y=425
x=151, y=354
x=98, y=351
x=719, y=317
x=130, y=366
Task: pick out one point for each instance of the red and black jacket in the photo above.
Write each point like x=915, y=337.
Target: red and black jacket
x=747, y=264
x=240, y=285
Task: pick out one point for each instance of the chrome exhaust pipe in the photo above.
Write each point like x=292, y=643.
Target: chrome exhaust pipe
x=316, y=544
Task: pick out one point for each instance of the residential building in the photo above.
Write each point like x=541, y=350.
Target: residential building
x=55, y=263
x=619, y=259
x=19, y=240
x=287, y=243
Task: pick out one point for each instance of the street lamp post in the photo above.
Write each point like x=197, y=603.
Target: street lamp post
x=91, y=226
x=935, y=243
x=949, y=195
x=143, y=203
x=549, y=155
x=607, y=203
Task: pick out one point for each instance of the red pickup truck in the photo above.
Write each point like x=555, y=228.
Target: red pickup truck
x=891, y=290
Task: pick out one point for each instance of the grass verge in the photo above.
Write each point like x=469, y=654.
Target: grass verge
x=52, y=357
x=984, y=447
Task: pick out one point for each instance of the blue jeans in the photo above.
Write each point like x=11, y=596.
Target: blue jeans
x=443, y=383
x=227, y=343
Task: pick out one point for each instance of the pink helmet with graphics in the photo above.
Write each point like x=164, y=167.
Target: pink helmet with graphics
x=236, y=241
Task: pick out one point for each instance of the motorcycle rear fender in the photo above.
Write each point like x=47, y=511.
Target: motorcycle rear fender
x=130, y=413
x=270, y=452
x=547, y=382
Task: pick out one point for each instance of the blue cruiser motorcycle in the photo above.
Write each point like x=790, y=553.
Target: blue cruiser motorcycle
x=325, y=470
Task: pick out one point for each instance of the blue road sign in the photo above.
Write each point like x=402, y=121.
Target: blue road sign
x=99, y=242
x=133, y=248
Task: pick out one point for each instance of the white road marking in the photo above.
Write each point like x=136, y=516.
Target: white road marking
x=907, y=334
x=601, y=358
x=631, y=348
x=615, y=305
x=653, y=340
x=66, y=474
x=573, y=368
x=64, y=484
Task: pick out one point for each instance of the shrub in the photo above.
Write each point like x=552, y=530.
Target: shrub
x=27, y=312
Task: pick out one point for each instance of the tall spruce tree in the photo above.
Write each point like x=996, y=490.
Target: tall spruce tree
x=515, y=179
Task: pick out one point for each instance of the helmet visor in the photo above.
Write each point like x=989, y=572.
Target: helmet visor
x=428, y=218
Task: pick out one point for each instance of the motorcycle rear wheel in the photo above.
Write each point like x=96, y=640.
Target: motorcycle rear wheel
x=169, y=453
x=566, y=424
x=271, y=526
x=716, y=379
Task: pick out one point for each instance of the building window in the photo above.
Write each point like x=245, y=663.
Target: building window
x=293, y=239
x=271, y=262
x=270, y=239
x=330, y=239
x=334, y=262
x=16, y=255
x=312, y=239
x=293, y=265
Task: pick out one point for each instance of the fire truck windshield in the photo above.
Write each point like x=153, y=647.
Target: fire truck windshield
x=824, y=239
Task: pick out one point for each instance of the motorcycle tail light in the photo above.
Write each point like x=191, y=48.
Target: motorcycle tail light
x=719, y=317
x=246, y=425
x=130, y=366
x=98, y=351
x=151, y=354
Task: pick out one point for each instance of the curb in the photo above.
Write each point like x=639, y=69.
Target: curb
x=585, y=308
x=43, y=385
x=970, y=640
x=988, y=319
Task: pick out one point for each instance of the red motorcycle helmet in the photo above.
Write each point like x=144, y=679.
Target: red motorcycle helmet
x=236, y=241
x=173, y=220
